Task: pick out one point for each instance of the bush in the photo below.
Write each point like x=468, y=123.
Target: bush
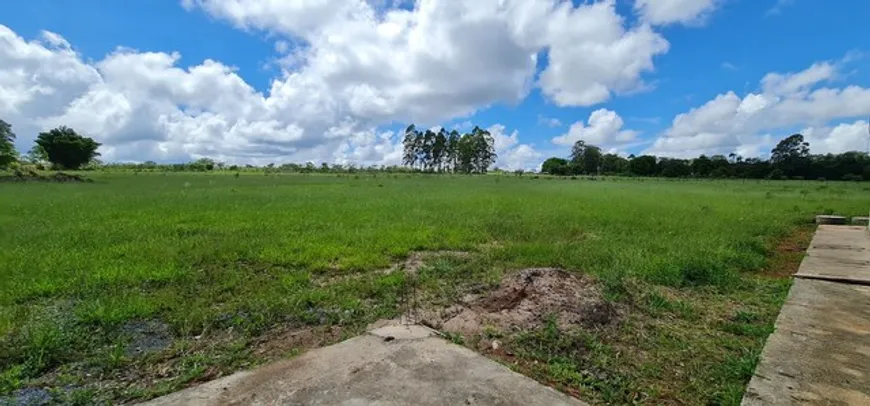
x=66, y=149
x=852, y=177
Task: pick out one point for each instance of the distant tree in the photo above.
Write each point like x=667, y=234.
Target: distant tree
x=644, y=165
x=8, y=154
x=791, y=155
x=465, y=154
x=426, y=148
x=556, y=166
x=202, y=164
x=409, y=156
x=836, y=166
x=613, y=164
x=484, y=149
x=701, y=166
x=673, y=168
x=452, y=150
x=585, y=158
x=752, y=168
x=439, y=149
x=66, y=149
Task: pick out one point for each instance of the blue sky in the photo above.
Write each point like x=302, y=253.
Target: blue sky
x=692, y=54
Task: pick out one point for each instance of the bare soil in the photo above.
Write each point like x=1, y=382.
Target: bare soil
x=527, y=300
x=283, y=341
x=788, y=253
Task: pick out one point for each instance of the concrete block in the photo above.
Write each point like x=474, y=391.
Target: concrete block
x=860, y=221
x=828, y=219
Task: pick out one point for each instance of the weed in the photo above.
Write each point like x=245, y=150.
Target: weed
x=455, y=338
x=11, y=379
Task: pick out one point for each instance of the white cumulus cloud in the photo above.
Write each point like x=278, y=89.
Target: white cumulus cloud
x=346, y=69
x=511, y=154
x=664, y=12
x=604, y=129
x=731, y=123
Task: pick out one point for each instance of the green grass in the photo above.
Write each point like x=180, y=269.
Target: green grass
x=223, y=259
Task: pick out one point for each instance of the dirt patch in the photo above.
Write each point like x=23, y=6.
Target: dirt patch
x=146, y=337
x=526, y=300
x=285, y=341
x=31, y=176
x=788, y=253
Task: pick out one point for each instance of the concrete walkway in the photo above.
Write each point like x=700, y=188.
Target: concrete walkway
x=820, y=350
x=393, y=365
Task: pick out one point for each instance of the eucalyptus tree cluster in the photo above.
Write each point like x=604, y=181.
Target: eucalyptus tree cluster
x=443, y=151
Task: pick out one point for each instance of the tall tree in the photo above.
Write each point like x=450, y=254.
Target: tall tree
x=409, y=156
x=453, y=150
x=427, y=147
x=439, y=149
x=66, y=149
x=484, y=149
x=585, y=158
x=791, y=155
x=8, y=154
x=419, y=145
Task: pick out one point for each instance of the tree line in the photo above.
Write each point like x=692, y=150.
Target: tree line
x=443, y=151
x=427, y=151
x=208, y=165
x=450, y=152
x=790, y=159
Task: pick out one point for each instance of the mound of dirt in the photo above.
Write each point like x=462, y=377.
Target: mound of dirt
x=526, y=300
x=31, y=176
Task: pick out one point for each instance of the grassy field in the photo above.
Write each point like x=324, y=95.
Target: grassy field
x=137, y=285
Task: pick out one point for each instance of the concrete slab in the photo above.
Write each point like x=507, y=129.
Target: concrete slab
x=838, y=253
x=861, y=221
x=828, y=219
x=819, y=352
x=392, y=365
